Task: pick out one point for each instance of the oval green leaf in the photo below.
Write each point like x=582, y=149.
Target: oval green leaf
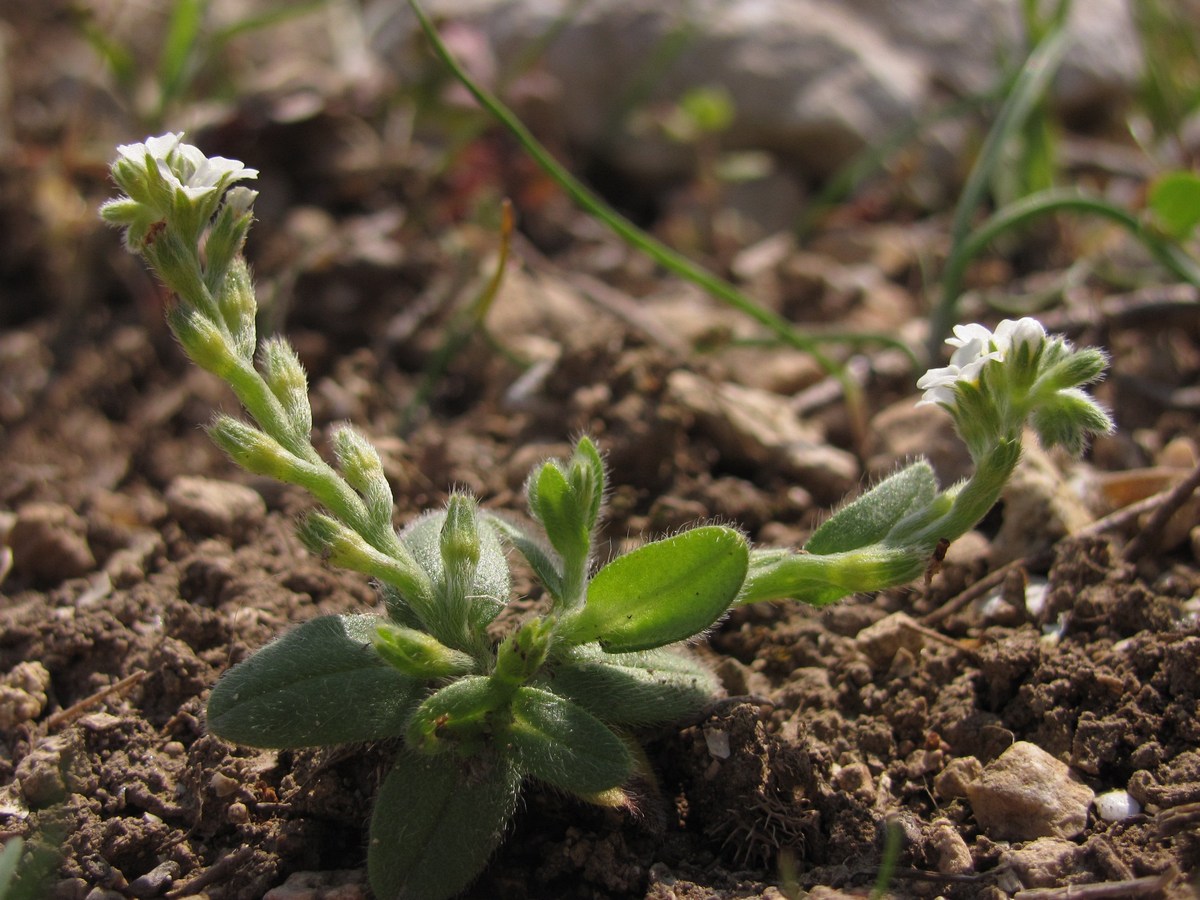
x=320, y=683
x=436, y=821
x=561, y=743
x=872, y=516
x=645, y=688
x=664, y=592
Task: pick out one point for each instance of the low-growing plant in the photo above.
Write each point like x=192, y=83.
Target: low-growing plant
x=560, y=696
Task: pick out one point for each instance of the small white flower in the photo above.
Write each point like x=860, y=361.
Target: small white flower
x=974, y=350
x=976, y=346
x=185, y=167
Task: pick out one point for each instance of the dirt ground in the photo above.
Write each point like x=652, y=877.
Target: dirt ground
x=140, y=564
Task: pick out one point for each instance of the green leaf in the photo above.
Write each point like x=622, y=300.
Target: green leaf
x=557, y=506
x=320, y=683
x=870, y=518
x=1175, y=201
x=436, y=822
x=644, y=688
x=664, y=592
x=8, y=862
x=561, y=743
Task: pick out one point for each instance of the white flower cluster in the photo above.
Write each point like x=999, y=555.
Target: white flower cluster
x=976, y=346
x=185, y=167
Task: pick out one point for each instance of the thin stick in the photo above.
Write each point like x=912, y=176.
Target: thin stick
x=1149, y=534
x=71, y=713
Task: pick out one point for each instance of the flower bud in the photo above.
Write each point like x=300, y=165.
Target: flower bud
x=459, y=539
x=288, y=382
x=457, y=716
x=204, y=342
x=254, y=451
x=523, y=653
x=418, y=654
x=238, y=307
x=347, y=548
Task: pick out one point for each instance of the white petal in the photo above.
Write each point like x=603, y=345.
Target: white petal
x=943, y=396
x=1019, y=333
x=964, y=334
x=938, y=377
x=161, y=147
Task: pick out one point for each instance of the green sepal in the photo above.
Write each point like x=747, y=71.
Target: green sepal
x=321, y=683
x=345, y=547
x=868, y=519
x=457, y=717
x=562, y=744
x=664, y=592
x=436, y=821
x=418, y=654
x=1067, y=419
x=633, y=689
x=205, y=344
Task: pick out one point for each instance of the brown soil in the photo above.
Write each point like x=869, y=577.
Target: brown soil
x=130, y=591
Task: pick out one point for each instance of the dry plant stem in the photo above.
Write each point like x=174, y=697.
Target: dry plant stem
x=1133, y=887
x=976, y=590
x=219, y=869
x=1173, y=500
x=73, y=712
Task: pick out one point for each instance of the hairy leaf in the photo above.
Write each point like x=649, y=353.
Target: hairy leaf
x=320, y=683
x=643, y=688
x=436, y=821
x=869, y=518
x=562, y=512
x=563, y=744
x=664, y=592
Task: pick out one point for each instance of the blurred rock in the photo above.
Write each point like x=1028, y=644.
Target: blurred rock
x=1026, y=793
x=345, y=884
x=811, y=80
x=952, y=855
x=211, y=507
x=23, y=694
x=759, y=429
x=49, y=543
x=904, y=431
x=1041, y=863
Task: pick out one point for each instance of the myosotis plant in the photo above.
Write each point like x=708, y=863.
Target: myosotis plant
x=558, y=698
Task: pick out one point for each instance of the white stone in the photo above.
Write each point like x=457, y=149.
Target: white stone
x=1117, y=806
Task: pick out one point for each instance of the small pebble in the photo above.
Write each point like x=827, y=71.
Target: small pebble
x=222, y=784
x=49, y=543
x=220, y=508
x=237, y=814
x=1026, y=793
x=717, y=742
x=157, y=881
x=1117, y=806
